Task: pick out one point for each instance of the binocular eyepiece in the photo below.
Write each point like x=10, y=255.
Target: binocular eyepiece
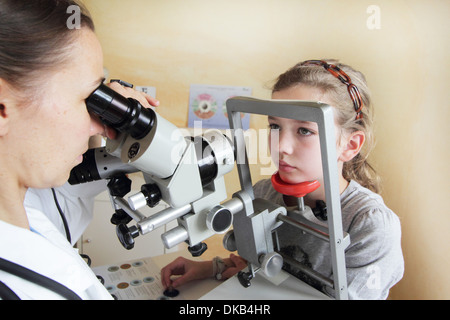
x=123, y=114
x=128, y=116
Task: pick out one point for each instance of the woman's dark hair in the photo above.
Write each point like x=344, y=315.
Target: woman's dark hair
x=36, y=36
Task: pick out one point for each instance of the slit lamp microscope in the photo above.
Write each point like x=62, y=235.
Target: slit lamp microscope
x=188, y=174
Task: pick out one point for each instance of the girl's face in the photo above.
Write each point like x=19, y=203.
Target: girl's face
x=298, y=148
x=52, y=134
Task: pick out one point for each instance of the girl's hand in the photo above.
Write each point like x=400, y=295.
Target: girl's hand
x=188, y=269
x=234, y=265
x=196, y=270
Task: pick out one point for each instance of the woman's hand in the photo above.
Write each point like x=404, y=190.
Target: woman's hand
x=144, y=99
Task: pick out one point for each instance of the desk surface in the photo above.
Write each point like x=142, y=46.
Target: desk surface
x=261, y=288
x=193, y=290
x=124, y=281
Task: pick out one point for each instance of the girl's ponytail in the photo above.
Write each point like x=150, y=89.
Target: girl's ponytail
x=360, y=170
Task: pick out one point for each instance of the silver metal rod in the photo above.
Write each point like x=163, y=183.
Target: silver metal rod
x=304, y=227
x=174, y=237
x=123, y=204
x=161, y=218
x=310, y=272
x=235, y=205
x=301, y=204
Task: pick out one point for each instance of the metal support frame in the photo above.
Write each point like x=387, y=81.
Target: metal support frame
x=322, y=114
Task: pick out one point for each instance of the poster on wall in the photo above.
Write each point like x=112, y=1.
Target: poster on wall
x=207, y=105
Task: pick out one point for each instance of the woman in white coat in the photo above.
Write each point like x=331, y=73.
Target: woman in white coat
x=47, y=70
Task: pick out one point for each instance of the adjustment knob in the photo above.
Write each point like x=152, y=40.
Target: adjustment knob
x=271, y=263
x=320, y=211
x=244, y=278
x=120, y=217
x=126, y=235
x=119, y=185
x=219, y=219
x=229, y=241
x=137, y=201
x=150, y=195
x=198, y=249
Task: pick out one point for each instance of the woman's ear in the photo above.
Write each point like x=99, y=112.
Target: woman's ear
x=351, y=145
x=4, y=119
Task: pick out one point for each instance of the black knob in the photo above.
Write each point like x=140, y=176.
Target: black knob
x=320, y=211
x=120, y=217
x=119, y=186
x=126, y=235
x=244, y=278
x=198, y=249
x=152, y=194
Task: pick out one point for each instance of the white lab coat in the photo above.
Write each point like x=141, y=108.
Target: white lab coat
x=76, y=202
x=46, y=252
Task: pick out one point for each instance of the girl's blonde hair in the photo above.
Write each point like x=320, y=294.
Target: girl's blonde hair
x=358, y=168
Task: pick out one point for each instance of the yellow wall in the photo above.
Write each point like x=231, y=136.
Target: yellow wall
x=171, y=44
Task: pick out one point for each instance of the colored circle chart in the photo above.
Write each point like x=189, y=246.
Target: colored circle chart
x=135, y=280
x=204, y=106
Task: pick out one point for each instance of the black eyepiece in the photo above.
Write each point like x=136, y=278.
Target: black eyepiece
x=123, y=114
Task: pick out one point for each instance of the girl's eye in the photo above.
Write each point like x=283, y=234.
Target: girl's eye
x=274, y=126
x=305, y=132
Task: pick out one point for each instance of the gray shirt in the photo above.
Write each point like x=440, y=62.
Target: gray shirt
x=374, y=258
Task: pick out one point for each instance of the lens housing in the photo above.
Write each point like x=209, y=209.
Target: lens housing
x=123, y=114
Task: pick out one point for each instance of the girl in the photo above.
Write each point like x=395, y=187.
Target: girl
x=47, y=70
x=374, y=258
